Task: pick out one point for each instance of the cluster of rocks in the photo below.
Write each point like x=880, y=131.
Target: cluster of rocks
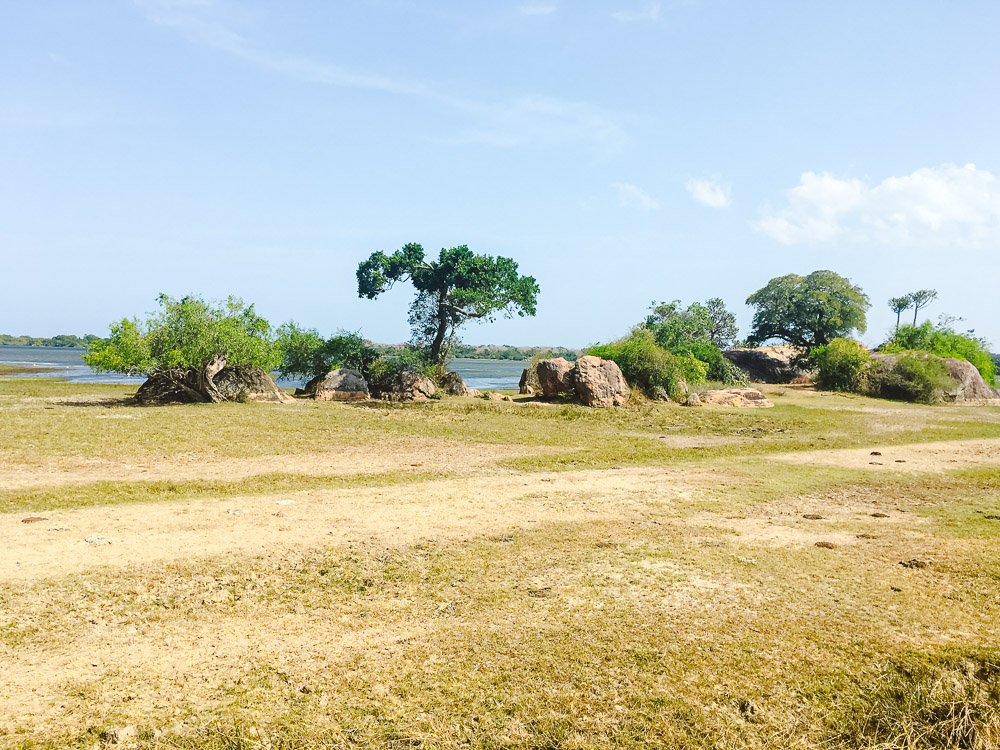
x=213, y=383
x=590, y=380
x=737, y=397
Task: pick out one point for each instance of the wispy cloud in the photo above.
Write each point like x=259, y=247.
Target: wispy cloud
x=646, y=12
x=536, y=10
x=632, y=196
x=934, y=206
x=711, y=193
x=522, y=120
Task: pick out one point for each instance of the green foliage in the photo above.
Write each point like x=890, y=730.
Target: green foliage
x=647, y=365
x=921, y=378
x=945, y=342
x=697, y=331
x=457, y=287
x=921, y=299
x=307, y=354
x=843, y=365
x=187, y=333
x=807, y=311
x=62, y=340
x=384, y=369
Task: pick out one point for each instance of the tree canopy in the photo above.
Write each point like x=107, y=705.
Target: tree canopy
x=459, y=286
x=807, y=311
x=307, y=354
x=188, y=333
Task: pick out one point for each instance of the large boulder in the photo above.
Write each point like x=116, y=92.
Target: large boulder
x=214, y=383
x=342, y=384
x=969, y=383
x=529, y=384
x=554, y=377
x=769, y=364
x=599, y=382
x=453, y=385
x=738, y=397
x=407, y=385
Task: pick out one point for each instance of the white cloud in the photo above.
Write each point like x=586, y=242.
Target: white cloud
x=524, y=120
x=536, y=10
x=711, y=193
x=647, y=12
x=946, y=205
x=632, y=196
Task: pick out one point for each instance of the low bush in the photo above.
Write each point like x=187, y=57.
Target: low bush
x=945, y=342
x=307, y=354
x=842, y=365
x=648, y=366
x=915, y=377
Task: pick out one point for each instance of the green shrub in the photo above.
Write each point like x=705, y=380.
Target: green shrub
x=305, y=353
x=945, y=342
x=915, y=377
x=648, y=366
x=842, y=365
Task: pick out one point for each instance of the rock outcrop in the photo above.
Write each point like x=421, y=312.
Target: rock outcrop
x=969, y=383
x=738, y=397
x=342, y=384
x=554, y=377
x=599, y=382
x=214, y=383
x=407, y=385
x=529, y=384
x=453, y=385
x=768, y=364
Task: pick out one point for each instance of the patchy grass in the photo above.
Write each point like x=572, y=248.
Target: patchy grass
x=700, y=617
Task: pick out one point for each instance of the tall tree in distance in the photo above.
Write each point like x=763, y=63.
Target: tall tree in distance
x=807, y=311
x=724, y=328
x=898, y=304
x=921, y=299
x=456, y=287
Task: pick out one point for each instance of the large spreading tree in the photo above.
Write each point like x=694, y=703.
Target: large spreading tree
x=807, y=311
x=456, y=287
x=186, y=344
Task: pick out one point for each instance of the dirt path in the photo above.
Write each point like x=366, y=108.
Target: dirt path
x=919, y=457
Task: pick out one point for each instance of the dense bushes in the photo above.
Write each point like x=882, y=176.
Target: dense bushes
x=650, y=367
x=945, y=342
x=697, y=331
x=845, y=365
x=842, y=365
x=307, y=354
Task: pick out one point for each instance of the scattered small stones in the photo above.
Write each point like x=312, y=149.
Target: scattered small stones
x=747, y=710
x=900, y=460
x=895, y=588
x=305, y=690
x=714, y=543
x=543, y=592
x=880, y=515
x=918, y=564
x=58, y=528
x=812, y=516
x=991, y=517
x=236, y=512
x=33, y=519
x=866, y=536
x=875, y=453
x=876, y=463
x=825, y=545
x=97, y=540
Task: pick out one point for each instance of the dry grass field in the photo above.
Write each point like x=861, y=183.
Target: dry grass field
x=823, y=574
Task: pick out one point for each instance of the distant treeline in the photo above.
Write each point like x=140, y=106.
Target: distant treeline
x=495, y=351
x=63, y=339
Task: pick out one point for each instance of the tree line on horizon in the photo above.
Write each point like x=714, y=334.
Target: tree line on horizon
x=674, y=347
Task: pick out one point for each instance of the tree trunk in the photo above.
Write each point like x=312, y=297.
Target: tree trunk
x=185, y=385
x=442, y=330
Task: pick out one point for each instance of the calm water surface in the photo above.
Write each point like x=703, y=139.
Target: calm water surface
x=483, y=374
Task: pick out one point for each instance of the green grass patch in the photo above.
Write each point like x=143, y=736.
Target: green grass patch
x=118, y=493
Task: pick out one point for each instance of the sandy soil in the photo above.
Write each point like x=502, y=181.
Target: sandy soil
x=921, y=457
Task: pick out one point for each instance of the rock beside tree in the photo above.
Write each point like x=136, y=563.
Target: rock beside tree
x=214, y=383
x=554, y=377
x=769, y=364
x=407, y=385
x=453, y=385
x=969, y=383
x=342, y=384
x=599, y=382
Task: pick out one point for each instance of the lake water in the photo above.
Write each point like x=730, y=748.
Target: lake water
x=483, y=374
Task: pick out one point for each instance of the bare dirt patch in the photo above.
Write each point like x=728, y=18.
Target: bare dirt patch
x=919, y=457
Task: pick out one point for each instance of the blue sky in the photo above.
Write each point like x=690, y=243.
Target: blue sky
x=621, y=152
